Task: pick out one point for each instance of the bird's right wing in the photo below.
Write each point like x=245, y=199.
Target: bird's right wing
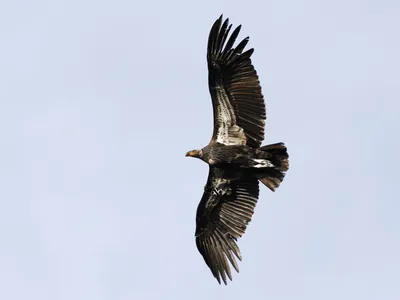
x=238, y=103
x=224, y=211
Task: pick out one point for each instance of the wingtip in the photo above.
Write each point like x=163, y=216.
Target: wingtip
x=224, y=281
x=219, y=20
x=218, y=279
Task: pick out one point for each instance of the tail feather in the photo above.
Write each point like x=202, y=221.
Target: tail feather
x=278, y=156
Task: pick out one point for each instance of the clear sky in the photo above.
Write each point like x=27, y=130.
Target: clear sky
x=99, y=102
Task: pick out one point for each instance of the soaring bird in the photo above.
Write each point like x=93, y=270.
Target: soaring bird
x=236, y=160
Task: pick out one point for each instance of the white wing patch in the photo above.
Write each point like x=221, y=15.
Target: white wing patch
x=236, y=136
x=228, y=132
x=219, y=187
x=263, y=163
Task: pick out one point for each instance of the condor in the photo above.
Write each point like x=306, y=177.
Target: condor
x=236, y=160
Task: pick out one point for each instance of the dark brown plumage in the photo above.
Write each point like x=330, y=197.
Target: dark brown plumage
x=234, y=156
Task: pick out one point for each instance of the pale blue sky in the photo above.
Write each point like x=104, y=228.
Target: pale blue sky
x=99, y=102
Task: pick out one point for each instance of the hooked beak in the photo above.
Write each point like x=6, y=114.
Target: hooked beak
x=190, y=153
x=193, y=153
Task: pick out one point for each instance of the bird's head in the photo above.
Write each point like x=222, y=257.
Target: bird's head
x=195, y=153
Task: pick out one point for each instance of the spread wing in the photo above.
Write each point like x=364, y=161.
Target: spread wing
x=224, y=211
x=238, y=103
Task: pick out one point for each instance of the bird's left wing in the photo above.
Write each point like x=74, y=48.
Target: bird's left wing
x=224, y=211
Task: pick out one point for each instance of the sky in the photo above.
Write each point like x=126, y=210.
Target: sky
x=99, y=102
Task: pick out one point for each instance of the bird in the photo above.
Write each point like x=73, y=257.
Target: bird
x=237, y=161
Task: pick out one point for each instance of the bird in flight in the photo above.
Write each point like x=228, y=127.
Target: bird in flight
x=236, y=159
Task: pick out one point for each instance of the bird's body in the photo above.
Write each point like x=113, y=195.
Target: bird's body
x=240, y=156
x=236, y=160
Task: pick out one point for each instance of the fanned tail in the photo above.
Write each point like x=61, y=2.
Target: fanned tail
x=278, y=156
